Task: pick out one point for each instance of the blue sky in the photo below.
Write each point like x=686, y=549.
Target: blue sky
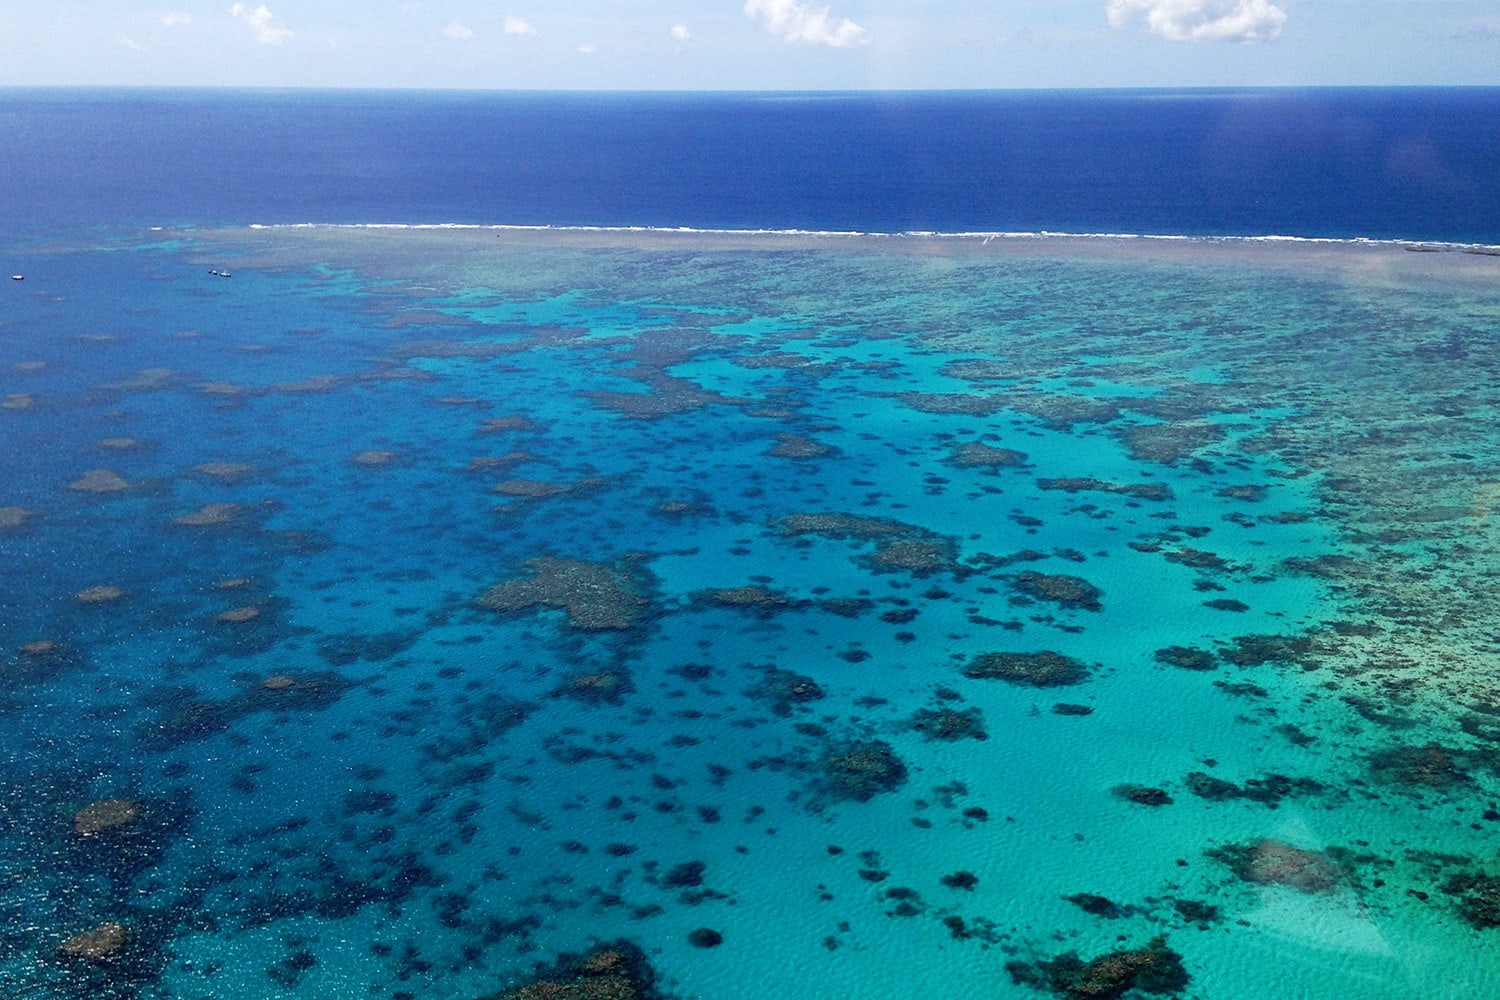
x=750, y=44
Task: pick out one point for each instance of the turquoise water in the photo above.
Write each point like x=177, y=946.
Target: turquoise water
x=429, y=603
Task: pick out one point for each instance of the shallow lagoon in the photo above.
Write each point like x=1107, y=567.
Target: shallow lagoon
x=444, y=600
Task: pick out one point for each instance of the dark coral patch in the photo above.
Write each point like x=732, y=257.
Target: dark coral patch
x=1196, y=558
x=1257, y=650
x=785, y=689
x=1275, y=862
x=705, y=937
x=597, y=687
x=960, y=880
x=1059, y=588
x=1154, y=969
x=1186, y=658
x=1042, y=669
x=863, y=769
x=1478, y=898
x=899, y=547
x=615, y=971
x=1137, y=491
x=186, y=717
x=684, y=876
x=754, y=598
x=1428, y=766
x=949, y=724
x=1170, y=443
x=799, y=446
x=595, y=596
x=1143, y=795
x=1268, y=790
x=976, y=455
x=1097, y=906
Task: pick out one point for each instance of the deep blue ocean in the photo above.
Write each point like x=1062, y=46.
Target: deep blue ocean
x=668, y=547
x=1412, y=164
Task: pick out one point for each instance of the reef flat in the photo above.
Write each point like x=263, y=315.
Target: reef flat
x=473, y=613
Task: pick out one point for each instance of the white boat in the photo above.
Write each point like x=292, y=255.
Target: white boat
x=18, y=277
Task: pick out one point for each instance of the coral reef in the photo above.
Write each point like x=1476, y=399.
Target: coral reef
x=530, y=489
x=1186, y=658
x=186, y=718
x=1170, y=443
x=224, y=470
x=705, y=937
x=954, y=404
x=614, y=971
x=977, y=455
x=919, y=555
x=101, y=594
x=666, y=396
x=1257, y=650
x=146, y=380
x=838, y=525
x=863, y=769
x=597, y=687
x=1081, y=484
x=1041, y=669
x=101, y=944
x=1059, y=588
x=13, y=517
x=785, y=689
x=1275, y=862
x=1060, y=411
x=1269, y=790
x=595, y=596
x=899, y=547
x=799, y=446
x=100, y=481
x=105, y=814
x=1431, y=765
x=210, y=515
x=1154, y=969
x=761, y=600
x=1142, y=795
x=1478, y=898
x=949, y=724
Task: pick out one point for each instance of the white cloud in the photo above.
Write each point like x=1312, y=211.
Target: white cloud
x=588, y=48
x=1203, y=20
x=680, y=32
x=519, y=26
x=130, y=43
x=798, y=22
x=176, y=20
x=262, y=22
x=458, y=32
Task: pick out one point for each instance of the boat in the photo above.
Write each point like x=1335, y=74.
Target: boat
x=18, y=277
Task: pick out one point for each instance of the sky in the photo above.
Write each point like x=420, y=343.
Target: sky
x=749, y=44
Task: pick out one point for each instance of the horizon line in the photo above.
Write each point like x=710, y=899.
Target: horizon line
x=333, y=88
